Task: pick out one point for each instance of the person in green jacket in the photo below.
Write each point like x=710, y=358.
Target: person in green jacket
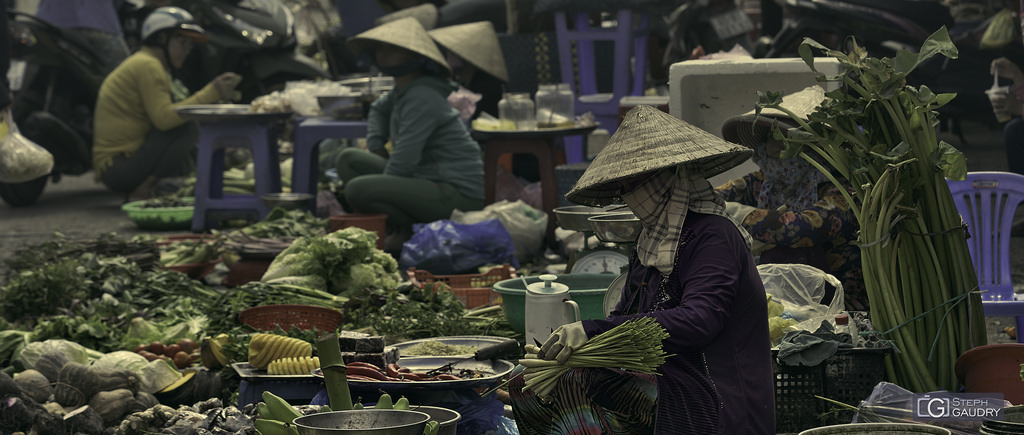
x=421, y=162
x=138, y=138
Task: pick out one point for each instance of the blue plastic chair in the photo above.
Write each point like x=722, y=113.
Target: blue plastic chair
x=580, y=67
x=986, y=202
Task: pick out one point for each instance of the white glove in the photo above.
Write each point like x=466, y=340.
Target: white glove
x=566, y=339
x=738, y=211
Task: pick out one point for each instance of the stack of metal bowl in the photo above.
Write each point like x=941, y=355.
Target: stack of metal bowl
x=289, y=201
x=616, y=227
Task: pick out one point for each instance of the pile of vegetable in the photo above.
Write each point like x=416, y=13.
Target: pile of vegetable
x=343, y=263
x=635, y=345
x=878, y=133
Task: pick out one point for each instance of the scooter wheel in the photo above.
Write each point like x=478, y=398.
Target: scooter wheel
x=23, y=194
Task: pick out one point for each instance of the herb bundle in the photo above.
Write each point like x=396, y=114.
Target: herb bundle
x=635, y=345
x=877, y=133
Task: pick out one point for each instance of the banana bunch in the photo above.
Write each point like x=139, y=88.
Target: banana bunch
x=188, y=252
x=211, y=351
x=385, y=402
x=276, y=416
x=264, y=348
x=302, y=365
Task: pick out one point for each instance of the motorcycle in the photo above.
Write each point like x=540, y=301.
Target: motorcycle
x=54, y=78
x=885, y=26
x=254, y=38
x=701, y=27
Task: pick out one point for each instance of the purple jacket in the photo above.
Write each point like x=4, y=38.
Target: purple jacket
x=713, y=305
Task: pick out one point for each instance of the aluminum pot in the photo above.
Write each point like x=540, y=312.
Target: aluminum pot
x=363, y=422
x=616, y=227
x=574, y=217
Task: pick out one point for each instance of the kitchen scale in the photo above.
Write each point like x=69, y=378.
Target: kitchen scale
x=616, y=231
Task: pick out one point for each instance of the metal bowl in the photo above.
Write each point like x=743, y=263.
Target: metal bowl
x=348, y=106
x=616, y=227
x=363, y=422
x=289, y=201
x=574, y=217
x=372, y=84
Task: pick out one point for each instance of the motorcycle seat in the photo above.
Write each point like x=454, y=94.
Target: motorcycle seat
x=929, y=14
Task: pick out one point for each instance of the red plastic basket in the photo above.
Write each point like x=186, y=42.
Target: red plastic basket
x=473, y=290
x=267, y=317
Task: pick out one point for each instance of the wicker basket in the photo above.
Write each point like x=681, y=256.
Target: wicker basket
x=473, y=290
x=267, y=317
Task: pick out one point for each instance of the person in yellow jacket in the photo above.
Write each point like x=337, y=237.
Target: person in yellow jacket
x=138, y=138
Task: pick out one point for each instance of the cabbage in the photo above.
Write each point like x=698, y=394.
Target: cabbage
x=157, y=375
x=122, y=360
x=74, y=351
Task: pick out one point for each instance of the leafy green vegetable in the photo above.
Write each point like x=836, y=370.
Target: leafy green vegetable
x=348, y=261
x=878, y=133
x=72, y=350
x=281, y=223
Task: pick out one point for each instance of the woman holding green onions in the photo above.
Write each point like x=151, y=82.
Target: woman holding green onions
x=692, y=271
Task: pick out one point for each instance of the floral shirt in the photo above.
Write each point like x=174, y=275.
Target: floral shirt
x=822, y=235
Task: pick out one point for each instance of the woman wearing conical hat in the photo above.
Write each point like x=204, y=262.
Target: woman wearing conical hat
x=433, y=166
x=692, y=271
x=477, y=62
x=791, y=210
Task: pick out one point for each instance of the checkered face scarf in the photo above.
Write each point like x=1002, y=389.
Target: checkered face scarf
x=661, y=204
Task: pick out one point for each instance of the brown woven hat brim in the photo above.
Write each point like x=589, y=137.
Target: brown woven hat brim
x=647, y=141
x=477, y=43
x=751, y=129
x=406, y=33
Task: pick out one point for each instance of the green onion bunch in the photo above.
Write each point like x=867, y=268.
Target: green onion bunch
x=876, y=135
x=635, y=345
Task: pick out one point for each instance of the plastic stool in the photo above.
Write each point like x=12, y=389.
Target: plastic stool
x=214, y=138
x=308, y=134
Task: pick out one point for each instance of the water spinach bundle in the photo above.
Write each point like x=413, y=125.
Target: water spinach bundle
x=876, y=136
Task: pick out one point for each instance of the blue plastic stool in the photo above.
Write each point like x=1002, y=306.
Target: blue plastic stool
x=579, y=66
x=987, y=202
x=306, y=155
x=216, y=136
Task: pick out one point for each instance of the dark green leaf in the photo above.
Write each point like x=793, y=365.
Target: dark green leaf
x=951, y=162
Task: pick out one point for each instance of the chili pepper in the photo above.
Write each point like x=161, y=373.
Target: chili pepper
x=362, y=364
x=371, y=373
x=392, y=370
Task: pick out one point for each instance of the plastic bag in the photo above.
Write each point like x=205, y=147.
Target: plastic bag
x=21, y=159
x=801, y=289
x=1000, y=31
x=891, y=403
x=525, y=224
x=448, y=248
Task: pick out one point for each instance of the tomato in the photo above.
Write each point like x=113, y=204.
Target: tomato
x=156, y=347
x=187, y=345
x=181, y=359
x=171, y=350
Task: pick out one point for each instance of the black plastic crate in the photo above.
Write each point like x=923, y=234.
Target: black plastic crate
x=849, y=376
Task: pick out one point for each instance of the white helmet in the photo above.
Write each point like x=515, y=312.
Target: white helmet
x=170, y=17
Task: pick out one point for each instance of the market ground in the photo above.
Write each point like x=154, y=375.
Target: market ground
x=80, y=208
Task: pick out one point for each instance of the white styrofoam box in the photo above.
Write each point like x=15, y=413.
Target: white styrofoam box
x=707, y=92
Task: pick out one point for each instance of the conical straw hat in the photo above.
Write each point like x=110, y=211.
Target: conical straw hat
x=647, y=141
x=749, y=129
x=406, y=33
x=477, y=43
x=425, y=13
